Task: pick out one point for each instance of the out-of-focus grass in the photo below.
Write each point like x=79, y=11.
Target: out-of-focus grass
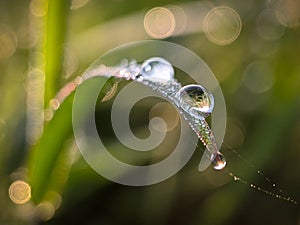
x=44, y=164
x=62, y=42
x=57, y=19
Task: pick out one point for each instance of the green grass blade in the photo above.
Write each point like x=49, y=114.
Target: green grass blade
x=57, y=18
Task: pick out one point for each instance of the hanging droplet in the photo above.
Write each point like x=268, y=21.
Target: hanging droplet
x=196, y=100
x=157, y=69
x=219, y=162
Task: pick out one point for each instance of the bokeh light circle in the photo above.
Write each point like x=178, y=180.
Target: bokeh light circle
x=268, y=27
x=222, y=25
x=19, y=192
x=159, y=23
x=8, y=42
x=258, y=77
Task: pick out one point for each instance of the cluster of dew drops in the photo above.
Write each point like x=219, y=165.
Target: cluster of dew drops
x=193, y=99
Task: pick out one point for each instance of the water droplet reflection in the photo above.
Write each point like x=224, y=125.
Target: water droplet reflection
x=219, y=162
x=196, y=100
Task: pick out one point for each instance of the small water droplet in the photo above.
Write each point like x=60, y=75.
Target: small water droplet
x=139, y=78
x=54, y=104
x=220, y=162
x=157, y=69
x=196, y=100
x=78, y=80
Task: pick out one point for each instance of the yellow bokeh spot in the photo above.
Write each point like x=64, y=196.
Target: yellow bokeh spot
x=8, y=42
x=222, y=25
x=45, y=211
x=39, y=7
x=19, y=192
x=166, y=112
x=159, y=23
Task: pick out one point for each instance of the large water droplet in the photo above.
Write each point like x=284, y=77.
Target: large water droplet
x=157, y=69
x=219, y=162
x=196, y=100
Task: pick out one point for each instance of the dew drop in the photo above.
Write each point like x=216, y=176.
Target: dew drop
x=157, y=69
x=139, y=78
x=220, y=162
x=196, y=100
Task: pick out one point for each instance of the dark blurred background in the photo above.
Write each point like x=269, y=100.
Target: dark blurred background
x=253, y=49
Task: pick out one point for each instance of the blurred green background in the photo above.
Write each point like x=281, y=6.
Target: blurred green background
x=251, y=46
